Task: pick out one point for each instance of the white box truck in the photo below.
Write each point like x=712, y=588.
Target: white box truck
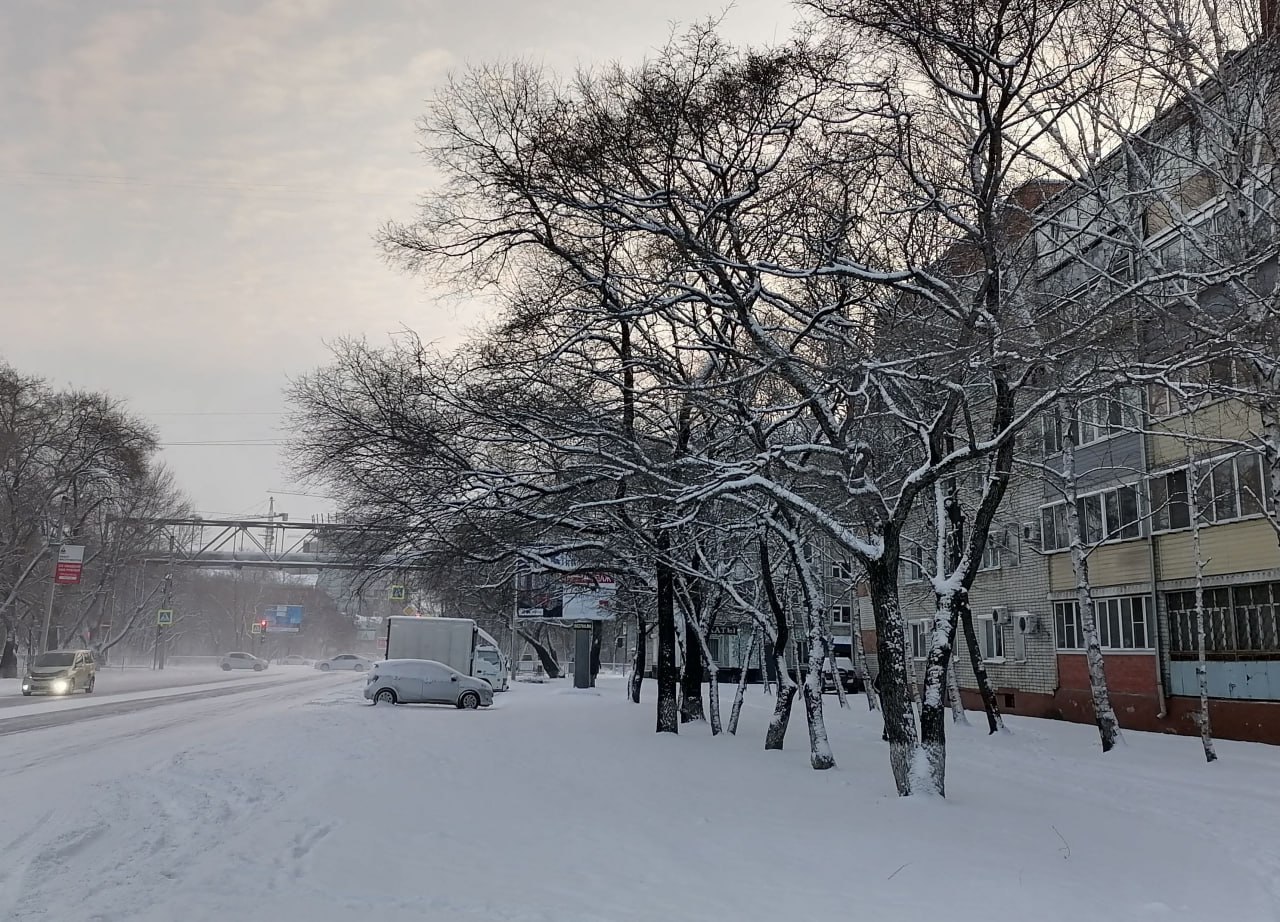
x=451, y=641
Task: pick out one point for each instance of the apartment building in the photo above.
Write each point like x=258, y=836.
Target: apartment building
x=1155, y=469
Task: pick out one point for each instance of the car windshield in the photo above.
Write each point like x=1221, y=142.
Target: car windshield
x=491, y=656
x=55, y=659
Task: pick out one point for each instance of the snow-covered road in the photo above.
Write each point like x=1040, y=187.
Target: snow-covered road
x=300, y=802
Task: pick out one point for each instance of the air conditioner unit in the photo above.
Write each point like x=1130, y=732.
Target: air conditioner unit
x=1026, y=622
x=1000, y=615
x=1031, y=533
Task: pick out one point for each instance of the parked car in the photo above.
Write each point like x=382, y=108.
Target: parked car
x=424, y=681
x=294, y=660
x=242, y=661
x=345, y=661
x=60, y=672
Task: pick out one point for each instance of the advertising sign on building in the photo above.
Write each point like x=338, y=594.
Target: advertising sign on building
x=70, y=565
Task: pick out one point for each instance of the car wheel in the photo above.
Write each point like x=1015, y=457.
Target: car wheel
x=469, y=701
x=226, y=667
x=359, y=667
x=324, y=667
x=26, y=694
x=259, y=667
x=385, y=696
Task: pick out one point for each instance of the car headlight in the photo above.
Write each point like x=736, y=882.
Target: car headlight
x=58, y=686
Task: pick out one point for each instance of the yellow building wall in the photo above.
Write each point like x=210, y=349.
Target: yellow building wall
x=1235, y=547
x=1109, y=565
x=1226, y=419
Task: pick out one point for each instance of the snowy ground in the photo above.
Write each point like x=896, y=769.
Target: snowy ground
x=300, y=802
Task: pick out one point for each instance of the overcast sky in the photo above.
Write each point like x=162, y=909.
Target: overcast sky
x=189, y=191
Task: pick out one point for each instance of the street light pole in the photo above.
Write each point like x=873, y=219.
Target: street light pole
x=43, y=639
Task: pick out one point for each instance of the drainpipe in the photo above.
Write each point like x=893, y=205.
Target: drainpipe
x=1153, y=560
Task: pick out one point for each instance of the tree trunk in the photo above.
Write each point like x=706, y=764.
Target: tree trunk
x=638, y=668
x=820, y=755
x=545, y=654
x=691, y=707
x=862, y=666
x=597, y=636
x=741, y=690
x=895, y=698
x=964, y=613
x=1202, y=669
x=668, y=675
x=1103, y=713
x=958, y=714
x=933, y=724
x=713, y=679
x=777, y=732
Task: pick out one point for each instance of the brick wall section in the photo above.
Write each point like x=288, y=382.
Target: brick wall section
x=1127, y=673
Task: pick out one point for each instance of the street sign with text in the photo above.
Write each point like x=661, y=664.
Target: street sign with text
x=70, y=565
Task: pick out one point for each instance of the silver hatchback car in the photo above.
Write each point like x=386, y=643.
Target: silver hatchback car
x=424, y=681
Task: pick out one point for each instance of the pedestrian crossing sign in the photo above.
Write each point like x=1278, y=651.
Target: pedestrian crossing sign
x=164, y=617
x=397, y=594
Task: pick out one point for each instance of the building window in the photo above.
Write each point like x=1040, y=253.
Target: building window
x=1102, y=417
x=840, y=570
x=842, y=614
x=1238, y=621
x=1122, y=622
x=912, y=564
x=1226, y=489
x=921, y=631
x=1051, y=431
x=1108, y=516
x=1169, y=509
x=990, y=638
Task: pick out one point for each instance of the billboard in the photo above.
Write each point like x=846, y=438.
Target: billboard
x=282, y=619
x=579, y=597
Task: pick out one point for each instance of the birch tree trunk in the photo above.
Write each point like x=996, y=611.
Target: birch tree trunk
x=820, y=755
x=713, y=679
x=933, y=724
x=740, y=692
x=1202, y=668
x=1103, y=713
x=958, y=714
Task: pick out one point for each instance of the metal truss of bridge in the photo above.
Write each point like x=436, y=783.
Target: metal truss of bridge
x=265, y=543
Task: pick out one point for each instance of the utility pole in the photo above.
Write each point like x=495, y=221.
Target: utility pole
x=55, y=541
x=165, y=605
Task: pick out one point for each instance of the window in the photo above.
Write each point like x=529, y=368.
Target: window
x=992, y=553
x=1226, y=489
x=912, y=565
x=920, y=635
x=842, y=614
x=1238, y=621
x=1051, y=431
x=990, y=638
x=1104, y=416
x=1122, y=623
x=1053, y=523
x=840, y=570
x=1109, y=516
x=1169, y=508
